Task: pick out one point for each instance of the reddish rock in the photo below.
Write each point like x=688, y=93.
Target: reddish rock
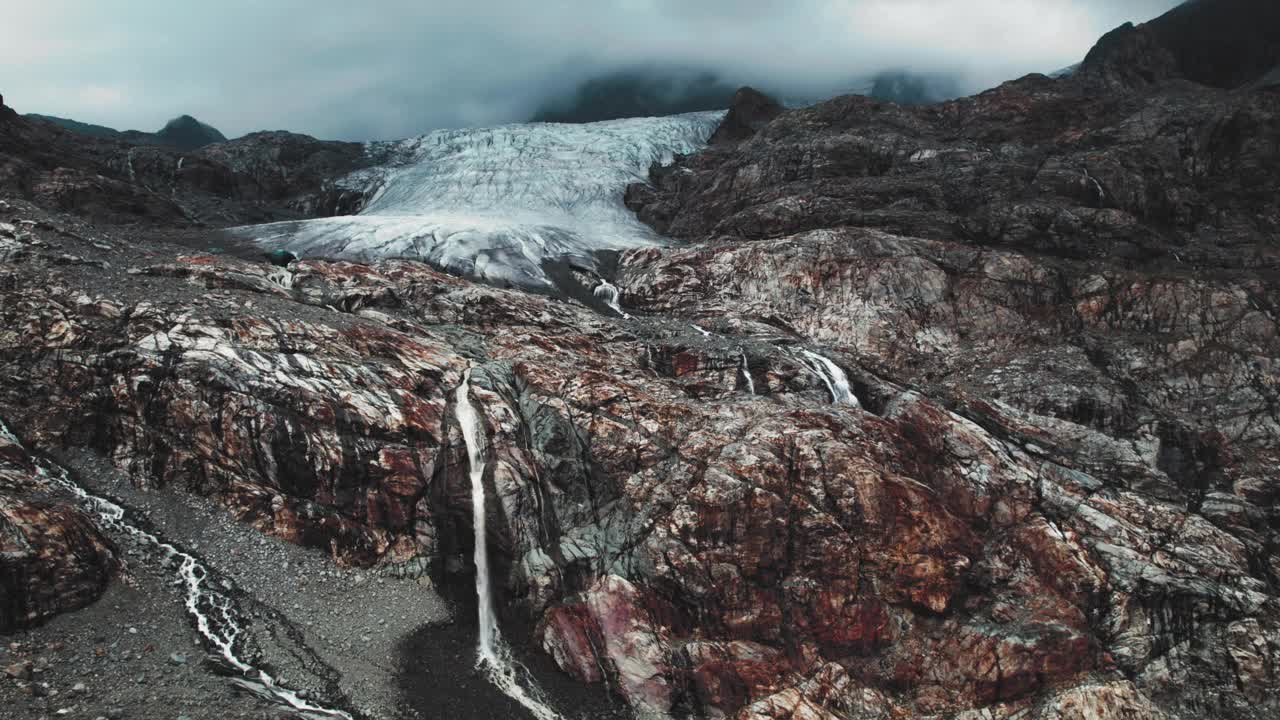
x=52, y=557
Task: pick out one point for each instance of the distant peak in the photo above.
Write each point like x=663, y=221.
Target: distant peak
x=188, y=133
x=750, y=111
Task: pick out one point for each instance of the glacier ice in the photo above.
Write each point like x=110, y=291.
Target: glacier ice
x=498, y=203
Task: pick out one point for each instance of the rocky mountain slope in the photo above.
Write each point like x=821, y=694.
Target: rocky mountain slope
x=1049, y=489
x=259, y=177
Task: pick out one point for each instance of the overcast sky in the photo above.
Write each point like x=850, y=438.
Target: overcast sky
x=352, y=69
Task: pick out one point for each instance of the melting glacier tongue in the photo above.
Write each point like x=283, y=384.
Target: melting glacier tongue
x=498, y=203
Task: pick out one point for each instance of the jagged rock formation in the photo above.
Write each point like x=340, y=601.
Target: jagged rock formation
x=1219, y=43
x=1056, y=496
x=750, y=111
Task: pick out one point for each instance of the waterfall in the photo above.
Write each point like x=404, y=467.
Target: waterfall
x=1097, y=186
x=608, y=293
x=705, y=333
x=217, y=619
x=835, y=378
x=493, y=657
x=282, y=277
x=746, y=372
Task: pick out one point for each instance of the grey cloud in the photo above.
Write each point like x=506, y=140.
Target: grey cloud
x=392, y=68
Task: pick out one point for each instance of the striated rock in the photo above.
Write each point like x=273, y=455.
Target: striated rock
x=52, y=557
x=692, y=542
x=633, y=644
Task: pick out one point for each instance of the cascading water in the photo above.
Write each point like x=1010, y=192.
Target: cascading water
x=608, y=293
x=493, y=657
x=215, y=612
x=1097, y=187
x=835, y=378
x=500, y=203
x=746, y=372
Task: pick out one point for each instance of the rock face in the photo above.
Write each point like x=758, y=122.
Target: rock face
x=750, y=111
x=1056, y=496
x=1219, y=43
x=52, y=557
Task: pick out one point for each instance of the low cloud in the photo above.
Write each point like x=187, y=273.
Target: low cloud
x=394, y=68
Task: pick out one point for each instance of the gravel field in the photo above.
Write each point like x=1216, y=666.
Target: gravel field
x=334, y=634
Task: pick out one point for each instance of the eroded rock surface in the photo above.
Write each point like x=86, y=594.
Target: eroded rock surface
x=1055, y=497
x=52, y=557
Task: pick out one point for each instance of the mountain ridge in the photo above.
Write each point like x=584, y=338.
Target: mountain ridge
x=183, y=132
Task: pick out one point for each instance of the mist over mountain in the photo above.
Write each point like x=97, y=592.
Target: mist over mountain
x=655, y=91
x=639, y=92
x=345, y=72
x=908, y=88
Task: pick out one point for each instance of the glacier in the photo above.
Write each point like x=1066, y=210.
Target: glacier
x=498, y=204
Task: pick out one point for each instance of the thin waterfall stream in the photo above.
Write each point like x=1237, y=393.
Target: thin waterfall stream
x=217, y=618
x=835, y=378
x=608, y=293
x=493, y=656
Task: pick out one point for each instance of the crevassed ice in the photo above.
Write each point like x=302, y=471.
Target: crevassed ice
x=496, y=203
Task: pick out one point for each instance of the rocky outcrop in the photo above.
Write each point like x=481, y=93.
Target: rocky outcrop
x=186, y=133
x=1220, y=43
x=1024, y=166
x=750, y=111
x=52, y=557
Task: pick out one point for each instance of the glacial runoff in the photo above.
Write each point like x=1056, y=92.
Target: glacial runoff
x=497, y=204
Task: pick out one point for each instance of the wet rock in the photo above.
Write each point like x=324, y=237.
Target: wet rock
x=52, y=557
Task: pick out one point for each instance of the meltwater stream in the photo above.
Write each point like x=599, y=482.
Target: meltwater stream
x=217, y=619
x=499, y=204
x=608, y=294
x=835, y=378
x=493, y=656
